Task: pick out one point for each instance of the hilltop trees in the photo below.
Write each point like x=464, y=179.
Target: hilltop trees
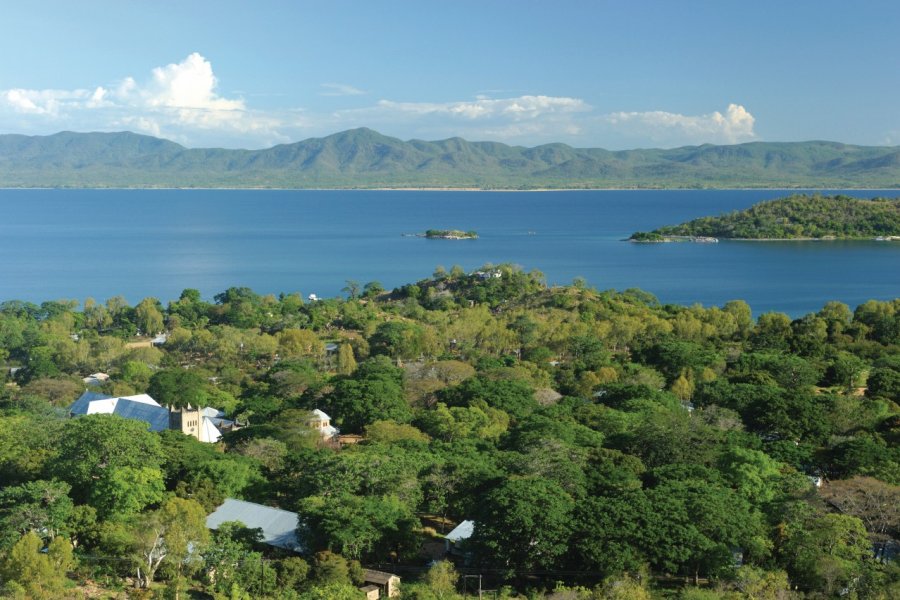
x=593, y=437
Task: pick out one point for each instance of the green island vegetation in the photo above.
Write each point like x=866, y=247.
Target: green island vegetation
x=603, y=444
x=365, y=159
x=796, y=217
x=648, y=237
x=451, y=234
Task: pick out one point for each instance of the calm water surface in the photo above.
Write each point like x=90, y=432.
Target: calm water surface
x=137, y=243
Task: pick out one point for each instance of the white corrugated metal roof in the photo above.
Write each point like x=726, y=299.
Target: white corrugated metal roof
x=279, y=527
x=463, y=531
x=140, y=407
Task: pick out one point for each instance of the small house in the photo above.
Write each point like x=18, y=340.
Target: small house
x=321, y=422
x=388, y=584
x=371, y=592
x=454, y=542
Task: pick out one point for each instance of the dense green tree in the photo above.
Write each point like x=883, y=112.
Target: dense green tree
x=772, y=332
x=292, y=572
x=514, y=397
x=189, y=308
x=175, y=535
x=333, y=569
x=611, y=533
x=884, y=382
x=697, y=523
x=42, y=507
x=400, y=339
x=676, y=357
x=231, y=563
x=523, y=524
x=373, y=393
x=866, y=455
x=825, y=552
x=179, y=387
x=123, y=491
x=359, y=526
x=148, y=316
x=752, y=473
x=93, y=445
x=346, y=362
x=37, y=573
x=299, y=343
x=331, y=591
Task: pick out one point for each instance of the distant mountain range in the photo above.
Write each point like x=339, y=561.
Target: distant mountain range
x=362, y=158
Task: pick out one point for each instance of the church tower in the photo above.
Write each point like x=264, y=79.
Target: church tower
x=187, y=420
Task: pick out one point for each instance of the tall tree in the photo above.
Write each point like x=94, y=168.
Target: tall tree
x=148, y=316
x=37, y=572
x=93, y=445
x=523, y=524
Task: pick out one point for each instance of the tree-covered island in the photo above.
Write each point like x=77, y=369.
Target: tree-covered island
x=797, y=217
x=579, y=444
x=451, y=234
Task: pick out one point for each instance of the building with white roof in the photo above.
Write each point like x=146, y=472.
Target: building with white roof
x=279, y=527
x=203, y=424
x=455, y=540
x=140, y=407
x=321, y=422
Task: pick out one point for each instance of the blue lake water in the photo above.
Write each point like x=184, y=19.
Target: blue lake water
x=136, y=243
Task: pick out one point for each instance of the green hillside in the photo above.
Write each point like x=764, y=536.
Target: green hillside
x=796, y=217
x=362, y=158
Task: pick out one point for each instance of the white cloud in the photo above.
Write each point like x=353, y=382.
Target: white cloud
x=178, y=100
x=521, y=108
x=181, y=101
x=340, y=89
x=736, y=125
x=538, y=119
x=43, y=102
x=523, y=119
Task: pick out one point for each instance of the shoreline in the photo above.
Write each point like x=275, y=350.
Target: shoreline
x=677, y=239
x=452, y=189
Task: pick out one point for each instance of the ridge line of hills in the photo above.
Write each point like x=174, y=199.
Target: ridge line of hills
x=363, y=158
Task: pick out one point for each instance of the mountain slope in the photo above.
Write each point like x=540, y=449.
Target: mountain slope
x=366, y=158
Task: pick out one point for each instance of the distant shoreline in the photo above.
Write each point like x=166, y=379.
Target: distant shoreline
x=453, y=189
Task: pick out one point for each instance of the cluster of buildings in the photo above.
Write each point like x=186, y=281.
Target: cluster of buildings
x=207, y=424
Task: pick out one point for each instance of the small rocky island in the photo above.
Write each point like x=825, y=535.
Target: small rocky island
x=450, y=234
x=797, y=217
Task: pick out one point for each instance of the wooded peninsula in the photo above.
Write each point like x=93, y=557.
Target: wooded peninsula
x=796, y=217
x=458, y=433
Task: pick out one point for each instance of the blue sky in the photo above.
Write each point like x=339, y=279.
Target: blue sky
x=589, y=73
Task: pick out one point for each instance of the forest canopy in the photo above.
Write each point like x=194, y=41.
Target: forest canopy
x=604, y=445
x=797, y=217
